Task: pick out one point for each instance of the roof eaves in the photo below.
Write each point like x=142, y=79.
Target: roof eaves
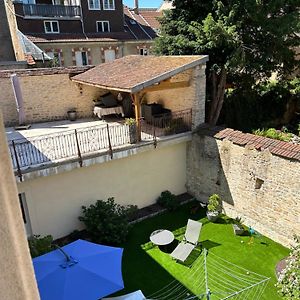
x=102, y=86
x=169, y=74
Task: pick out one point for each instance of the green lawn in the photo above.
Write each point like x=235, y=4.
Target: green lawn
x=147, y=268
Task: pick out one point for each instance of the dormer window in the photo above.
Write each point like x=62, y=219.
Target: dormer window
x=108, y=4
x=94, y=4
x=51, y=26
x=103, y=26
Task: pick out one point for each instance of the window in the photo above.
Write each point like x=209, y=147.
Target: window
x=94, y=4
x=51, y=27
x=108, y=4
x=103, y=26
x=109, y=55
x=81, y=58
x=143, y=51
x=56, y=58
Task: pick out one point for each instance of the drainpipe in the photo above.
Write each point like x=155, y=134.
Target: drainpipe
x=136, y=7
x=81, y=19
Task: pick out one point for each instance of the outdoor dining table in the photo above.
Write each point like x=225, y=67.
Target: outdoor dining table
x=162, y=237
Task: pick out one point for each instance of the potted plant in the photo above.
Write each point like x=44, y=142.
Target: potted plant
x=72, y=114
x=131, y=122
x=213, y=207
x=238, y=227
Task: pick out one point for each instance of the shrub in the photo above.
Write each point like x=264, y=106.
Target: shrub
x=168, y=201
x=107, y=222
x=274, y=134
x=214, y=203
x=289, y=278
x=40, y=245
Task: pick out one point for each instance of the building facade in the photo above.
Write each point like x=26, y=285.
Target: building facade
x=86, y=32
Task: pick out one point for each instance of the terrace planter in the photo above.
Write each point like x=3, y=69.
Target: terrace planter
x=212, y=215
x=72, y=115
x=238, y=229
x=133, y=134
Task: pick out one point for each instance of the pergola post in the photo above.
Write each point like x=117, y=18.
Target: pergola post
x=137, y=109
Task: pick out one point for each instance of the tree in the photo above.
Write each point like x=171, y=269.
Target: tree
x=246, y=40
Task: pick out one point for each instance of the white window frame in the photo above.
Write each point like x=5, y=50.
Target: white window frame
x=144, y=49
x=51, y=22
x=91, y=8
x=102, y=22
x=86, y=58
x=113, y=7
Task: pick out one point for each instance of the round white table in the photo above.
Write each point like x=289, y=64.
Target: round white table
x=162, y=237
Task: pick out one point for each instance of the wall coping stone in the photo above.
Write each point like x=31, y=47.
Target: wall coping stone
x=286, y=150
x=45, y=71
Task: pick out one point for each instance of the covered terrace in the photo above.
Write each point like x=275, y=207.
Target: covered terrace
x=176, y=83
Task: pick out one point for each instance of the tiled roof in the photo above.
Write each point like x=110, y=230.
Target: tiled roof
x=276, y=147
x=138, y=24
x=44, y=71
x=142, y=26
x=71, y=37
x=135, y=72
x=151, y=17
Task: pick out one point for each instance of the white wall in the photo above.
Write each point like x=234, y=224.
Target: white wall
x=54, y=202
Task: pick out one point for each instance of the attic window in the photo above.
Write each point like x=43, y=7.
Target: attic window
x=258, y=183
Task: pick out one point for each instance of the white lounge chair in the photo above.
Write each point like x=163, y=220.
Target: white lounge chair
x=190, y=241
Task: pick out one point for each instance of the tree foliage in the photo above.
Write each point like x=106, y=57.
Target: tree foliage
x=246, y=40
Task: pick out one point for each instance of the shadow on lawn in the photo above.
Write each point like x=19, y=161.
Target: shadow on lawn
x=140, y=270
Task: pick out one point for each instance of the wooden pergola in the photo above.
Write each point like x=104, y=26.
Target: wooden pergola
x=138, y=75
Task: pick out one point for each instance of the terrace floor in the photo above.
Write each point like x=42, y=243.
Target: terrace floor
x=44, y=144
x=40, y=129
x=148, y=268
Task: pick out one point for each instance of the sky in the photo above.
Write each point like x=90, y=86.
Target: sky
x=143, y=3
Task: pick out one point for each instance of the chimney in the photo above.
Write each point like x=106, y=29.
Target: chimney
x=136, y=6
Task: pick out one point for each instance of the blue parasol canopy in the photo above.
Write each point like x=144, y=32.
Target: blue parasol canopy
x=80, y=270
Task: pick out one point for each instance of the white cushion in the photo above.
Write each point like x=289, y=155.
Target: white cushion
x=182, y=251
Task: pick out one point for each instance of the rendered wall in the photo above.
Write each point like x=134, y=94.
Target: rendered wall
x=47, y=98
x=17, y=279
x=234, y=172
x=54, y=202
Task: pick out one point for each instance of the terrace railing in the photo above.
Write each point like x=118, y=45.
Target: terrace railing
x=48, y=10
x=75, y=144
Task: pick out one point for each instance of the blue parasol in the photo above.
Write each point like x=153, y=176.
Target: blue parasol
x=79, y=270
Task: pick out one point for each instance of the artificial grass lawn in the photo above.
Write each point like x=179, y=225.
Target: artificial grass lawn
x=147, y=268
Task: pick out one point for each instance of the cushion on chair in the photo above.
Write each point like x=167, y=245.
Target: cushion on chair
x=109, y=100
x=182, y=251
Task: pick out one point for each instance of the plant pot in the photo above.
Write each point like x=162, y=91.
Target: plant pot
x=212, y=215
x=72, y=115
x=238, y=229
x=132, y=134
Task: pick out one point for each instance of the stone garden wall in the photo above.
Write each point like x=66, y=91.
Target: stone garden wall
x=47, y=94
x=260, y=187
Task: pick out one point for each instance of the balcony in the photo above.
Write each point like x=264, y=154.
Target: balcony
x=47, y=144
x=49, y=10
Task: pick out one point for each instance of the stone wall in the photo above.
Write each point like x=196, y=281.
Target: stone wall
x=261, y=188
x=191, y=97
x=47, y=97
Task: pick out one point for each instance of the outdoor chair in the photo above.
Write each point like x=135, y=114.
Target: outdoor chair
x=189, y=242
